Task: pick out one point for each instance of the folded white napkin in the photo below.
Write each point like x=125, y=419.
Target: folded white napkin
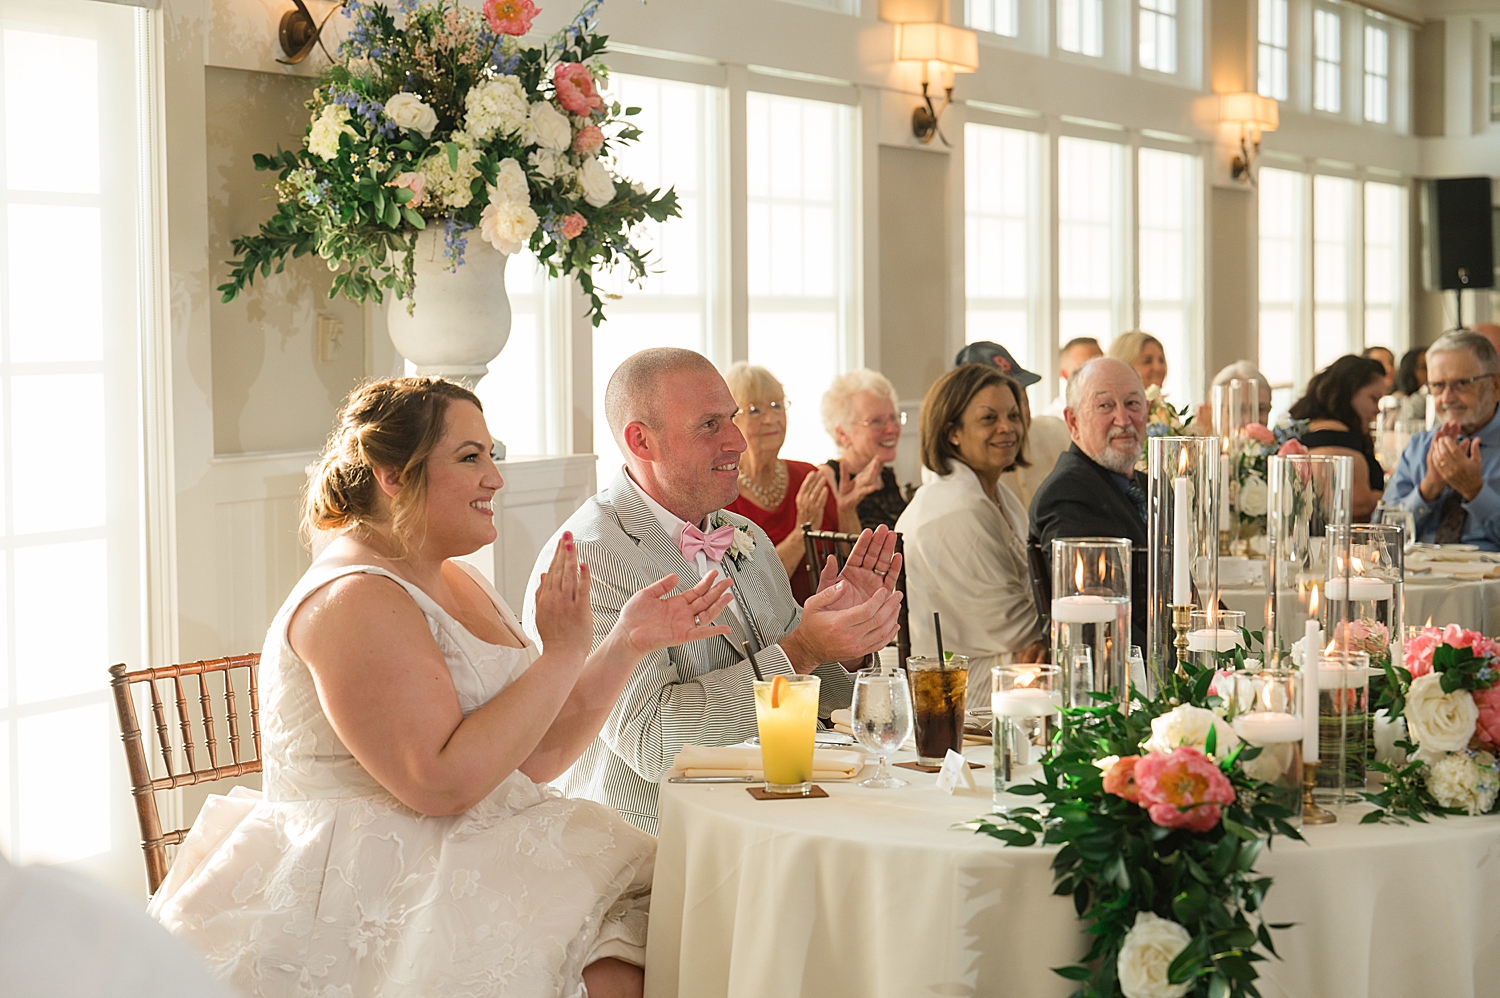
x=744, y=760
x=843, y=720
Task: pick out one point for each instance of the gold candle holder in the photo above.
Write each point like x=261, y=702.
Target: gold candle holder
x=1182, y=619
x=1312, y=814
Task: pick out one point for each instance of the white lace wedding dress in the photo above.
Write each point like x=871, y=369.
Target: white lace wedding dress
x=328, y=886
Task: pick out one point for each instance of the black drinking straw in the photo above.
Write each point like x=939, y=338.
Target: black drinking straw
x=754, y=665
x=937, y=628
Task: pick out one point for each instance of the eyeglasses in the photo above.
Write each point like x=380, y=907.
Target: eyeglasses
x=881, y=422
x=1460, y=385
x=758, y=411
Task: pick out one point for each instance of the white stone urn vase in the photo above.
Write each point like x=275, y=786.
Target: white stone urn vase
x=462, y=317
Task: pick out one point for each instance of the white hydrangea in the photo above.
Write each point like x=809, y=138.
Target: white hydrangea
x=1465, y=779
x=549, y=165
x=598, y=185
x=510, y=183
x=497, y=105
x=506, y=225
x=547, y=127
x=332, y=122
x=446, y=186
x=1188, y=725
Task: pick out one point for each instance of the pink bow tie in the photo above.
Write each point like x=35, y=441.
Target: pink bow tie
x=714, y=543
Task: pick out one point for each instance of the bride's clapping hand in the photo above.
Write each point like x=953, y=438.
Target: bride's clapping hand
x=651, y=620
x=564, y=616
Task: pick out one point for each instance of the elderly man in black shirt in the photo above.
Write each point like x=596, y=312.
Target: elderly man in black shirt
x=1094, y=490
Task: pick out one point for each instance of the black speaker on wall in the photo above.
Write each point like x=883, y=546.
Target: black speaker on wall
x=1459, y=223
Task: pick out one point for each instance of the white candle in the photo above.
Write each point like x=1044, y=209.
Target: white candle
x=1023, y=701
x=1312, y=647
x=1360, y=588
x=1224, y=520
x=1182, y=576
x=1268, y=727
x=1084, y=609
x=1215, y=639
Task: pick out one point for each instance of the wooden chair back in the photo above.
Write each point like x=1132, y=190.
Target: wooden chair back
x=819, y=544
x=195, y=714
x=1039, y=559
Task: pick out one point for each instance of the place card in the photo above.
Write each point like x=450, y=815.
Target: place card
x=955, y=771
x=759, y=793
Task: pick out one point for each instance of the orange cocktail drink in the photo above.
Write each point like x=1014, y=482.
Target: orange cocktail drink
x=786, y=711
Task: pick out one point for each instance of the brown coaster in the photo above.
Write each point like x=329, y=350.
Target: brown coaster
x=759, y=793
x=933, y=769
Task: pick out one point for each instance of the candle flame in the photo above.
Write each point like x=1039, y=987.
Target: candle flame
x=1103, y=568
x=1078, y=573
x=1429, y=622
x=1182, y=462
x=1356, y=565
x=1027, y=677
x=1224, y=445
x=1312, y=603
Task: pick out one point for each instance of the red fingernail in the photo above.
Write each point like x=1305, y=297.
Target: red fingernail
x=567, y=535
x=570, y=545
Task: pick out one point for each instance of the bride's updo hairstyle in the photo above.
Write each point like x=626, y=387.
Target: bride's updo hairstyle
x=394, y=423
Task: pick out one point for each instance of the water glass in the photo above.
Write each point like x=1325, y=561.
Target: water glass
x=1026, y=702
x=1396, y=516
x=882, y=720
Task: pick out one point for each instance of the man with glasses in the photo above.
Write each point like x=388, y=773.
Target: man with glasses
x=1449, y=477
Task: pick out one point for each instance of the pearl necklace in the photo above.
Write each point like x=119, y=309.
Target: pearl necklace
x=767, y=498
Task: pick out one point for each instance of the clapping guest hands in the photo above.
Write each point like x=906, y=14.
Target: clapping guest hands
x=1452, y=462
x=850, y=489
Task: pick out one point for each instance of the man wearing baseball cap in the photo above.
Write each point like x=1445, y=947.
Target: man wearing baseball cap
x=1046, y=436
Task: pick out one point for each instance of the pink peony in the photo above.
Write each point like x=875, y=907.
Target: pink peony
x=1259, y=433
x=1291, y=447
x=1120, y=780
x=588, y=140
x=1182, y=789
x=572, y=225
x=1487, y=728
x=510, y=17
x=1419, y=649
x=414, y=182
x=575, y=88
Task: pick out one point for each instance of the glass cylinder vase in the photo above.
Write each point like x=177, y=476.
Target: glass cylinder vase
x=1025, y=702
x=1091, y=618
x=1343, y=725
x=1268, y=715
x=1182, y=536
x=1306, y=495
x=1376, y=591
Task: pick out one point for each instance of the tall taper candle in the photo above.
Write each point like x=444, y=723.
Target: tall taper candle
x=1182, y=575
x=1311, y=650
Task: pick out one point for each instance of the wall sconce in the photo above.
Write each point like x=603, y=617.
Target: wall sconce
x=943, y=50
x=1254, y=114
x=298, y=33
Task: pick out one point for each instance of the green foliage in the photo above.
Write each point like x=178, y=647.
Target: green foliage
x=1115, y=861
x=1405, y=794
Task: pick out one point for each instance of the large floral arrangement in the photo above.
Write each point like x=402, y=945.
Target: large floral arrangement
x=1449, y=694
x=1161, y=817
x=1249, y=473
x=438, y=114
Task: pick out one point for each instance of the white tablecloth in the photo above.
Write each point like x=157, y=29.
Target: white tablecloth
x=1472, y=604
x=873, y=893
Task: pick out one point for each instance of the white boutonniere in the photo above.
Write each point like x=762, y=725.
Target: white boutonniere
x=742, y=544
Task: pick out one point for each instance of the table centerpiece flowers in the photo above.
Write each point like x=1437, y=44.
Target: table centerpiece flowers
x=1448, y=690
x=1161, y=819
x=439, y=115
x=1248, y=473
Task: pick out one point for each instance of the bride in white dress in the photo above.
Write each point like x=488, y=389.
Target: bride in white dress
x=406, y=842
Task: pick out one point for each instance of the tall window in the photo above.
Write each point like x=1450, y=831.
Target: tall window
x=1080, y=26
x=1158, y=28
x=673, y=306
x=1280, y=274
x=1327, y=91
x=1333, y=262
x=1089, y=239
x=1001, y=208
x=70, y=600
x=1377, y=74
x=996, y=16
x=1167, y=214
x=1385, y=264
x=801, y=223
x=514, y=392
x=1271, y=46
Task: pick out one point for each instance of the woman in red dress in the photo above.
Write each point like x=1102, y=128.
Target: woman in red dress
x=779, y=495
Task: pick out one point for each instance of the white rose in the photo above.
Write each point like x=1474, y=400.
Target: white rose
x=1188, y=725
x=742, y=543
x=1253, y=496
x=598, y=185
x=510, y=183
x=497, y=105
x=1272, y=763
x=1149, y=949
x=1465, y=779
x=1438, y=721
x=548, y=127
x=549, y=165
x=323, y=139
x=506, y=225
x=408, y=111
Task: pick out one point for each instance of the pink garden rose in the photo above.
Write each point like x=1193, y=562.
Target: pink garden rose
x=414, y=182
x=1291, y=447
x=510, y=17
x=1120, y=780
x=1420, y=648
x=1182, y=789
x=588, y=140
x=1487, y=728
x=1259, y=433
x=575, y=88
x=572, y=225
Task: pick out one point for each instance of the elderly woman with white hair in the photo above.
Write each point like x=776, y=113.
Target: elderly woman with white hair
x=859, y=413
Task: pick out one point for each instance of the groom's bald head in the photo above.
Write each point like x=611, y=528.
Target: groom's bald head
x=634, y=393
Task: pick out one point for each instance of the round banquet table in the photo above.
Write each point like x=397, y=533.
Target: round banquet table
x=876, y=894
x=1471, y=603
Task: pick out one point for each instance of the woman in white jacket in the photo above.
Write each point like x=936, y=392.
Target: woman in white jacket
x=965, y=532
